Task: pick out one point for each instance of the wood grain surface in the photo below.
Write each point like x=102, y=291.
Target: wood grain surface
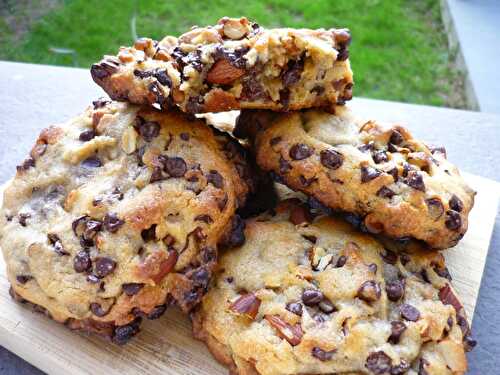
x=165, y=346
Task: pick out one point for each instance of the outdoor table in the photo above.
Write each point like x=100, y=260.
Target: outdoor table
x=33, y=97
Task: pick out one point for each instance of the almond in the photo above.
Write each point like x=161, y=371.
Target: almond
x=223, y=73
x=292, y=334
x=247, y=304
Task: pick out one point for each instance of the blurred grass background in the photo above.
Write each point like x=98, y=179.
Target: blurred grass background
x=399, y=50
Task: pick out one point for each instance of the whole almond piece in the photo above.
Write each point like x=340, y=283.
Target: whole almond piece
x=223, y=73
x=247, y=304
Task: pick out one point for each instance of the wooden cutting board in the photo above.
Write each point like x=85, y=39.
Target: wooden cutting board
x=165, y=346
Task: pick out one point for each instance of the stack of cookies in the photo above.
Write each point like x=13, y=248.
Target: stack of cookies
x=303, y=241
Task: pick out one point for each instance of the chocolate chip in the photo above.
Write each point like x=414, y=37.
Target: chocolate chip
x=294, y=308
x=369, y=291
x=394, y=173
x=132, y=289
x=104, y=266
x=149, y=130
x=389, y=256
x=91, y=162
x=93, y=279
x=101, y=102
x=22, y=217
x=221, y=203
x=443, y=272
x=421, y=367
x=194, y=105
x=252, y=89
x=27, y=164
x=415, y=180
x=176, y=167
x=103, y=69
x=369, y=173
x=453, y=220
x=285, y=166
x=456, y=204
x=331, y=159
x=312, y=239
x=205, y=218
x=439, y=150
x=367, y=146
x=341, y=261
x=300, y=151
x=385, y=192
x=156, y=175
x=395, y=290
x=184, y=136
x=157, y=312
x=82, y=262
x=379, y=363
x=311, y=297
x=215, y=179
x=56, y=243
x=92, y=227
x=321, y=354
x=86, y=135
x=112, y=223
x=163, y=78
x=326, y=306
x=123, y=334
x=293, y=72
x=396, y=138
x=97, y=309
x=397, y=329
x=23, y=279
x=274, y=141
x=343, y=54
x=409, y=312
x=380, y=157
x=435, y=207
x=401, y=368
x=236, y=235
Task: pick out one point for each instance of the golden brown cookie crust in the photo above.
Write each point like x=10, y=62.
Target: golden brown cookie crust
x=308, y=295
x=397, y=185
x=118, y=213
x=233, y=64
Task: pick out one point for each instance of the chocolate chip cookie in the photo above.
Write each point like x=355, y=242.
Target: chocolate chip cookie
x=118, y=213
x=310, y=295
x=234, y=64
x=392, y=183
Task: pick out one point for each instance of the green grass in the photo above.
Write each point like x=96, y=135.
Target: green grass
x=399, y=50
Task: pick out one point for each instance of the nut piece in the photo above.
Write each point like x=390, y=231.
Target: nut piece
x=247, y=304
x=235, y=28
x=223, y=73
x=292, y=334
x=129, y=140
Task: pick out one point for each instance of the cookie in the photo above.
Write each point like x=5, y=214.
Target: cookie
x=391, y=183
x=311, y=295
x=118, y=213
x=233, y=64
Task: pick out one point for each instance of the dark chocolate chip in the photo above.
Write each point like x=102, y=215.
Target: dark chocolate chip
x=208, y=254
x=369, y=173
x=453, y=220
x=300, y=151
x=149, y=130
x=184, y=136
x=312, y=239
x=194, y=104
x=22, y=217
x=380, y=157
x=294, y=308
x=215, y=179
x=123, y=334
x=456, y=204
x=293, y=72
x=101, y=102
x=311, y=297
x=397, y=329
x=23, y=279
x=205, y=218
x=104, y=266
x=369, y=291
x=86, y=135
x=163, y=78
x=443, y=272
x=97, y=309
x=321, y=354
x=82, y=262
x=156, y=175
x=401, y=368
x=112, y=222
x=394, y=173
x=131, y=289
x=343, y=54
x=367, y=146
x=415, y=180
x=236, y=235
x=274, y=141
x=341, y=261
x=157, y=312
x=409, y=312
x=331, y=159
x=285, y=166
x=421, y=367
x=91, y=162
x=396, y=138
x=93, y=279
x=56, y=243
x=379, y=363
x=373, y=267
x=389, y=256
x=27, y=164
x=395, y=290
x=103, y=69
x=175, y=167
x=385, y=192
